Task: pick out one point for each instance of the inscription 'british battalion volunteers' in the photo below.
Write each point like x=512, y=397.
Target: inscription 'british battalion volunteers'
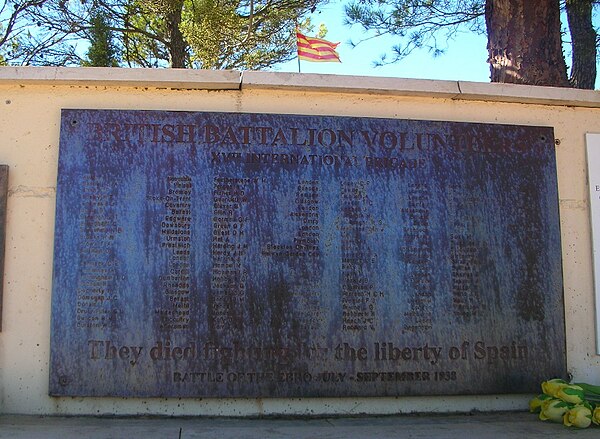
x=240, y=136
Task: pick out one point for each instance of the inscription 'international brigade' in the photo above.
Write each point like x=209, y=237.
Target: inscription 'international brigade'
x=245, y=255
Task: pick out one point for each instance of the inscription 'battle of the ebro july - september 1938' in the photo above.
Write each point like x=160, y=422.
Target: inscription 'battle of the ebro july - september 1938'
x=268, y=255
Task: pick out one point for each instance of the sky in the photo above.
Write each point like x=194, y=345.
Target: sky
x=464, y=59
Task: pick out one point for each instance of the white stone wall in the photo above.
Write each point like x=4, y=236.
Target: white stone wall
x=30, y=104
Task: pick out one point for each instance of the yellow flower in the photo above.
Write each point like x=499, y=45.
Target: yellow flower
x=535, y=405
x=571, y=394
x=553, y=410
x=579, y=416
x=596, y=415
x=551, y=387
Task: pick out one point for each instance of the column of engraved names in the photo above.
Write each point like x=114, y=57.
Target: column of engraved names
x=416, y=253
x=229, y=247
x=299, y=250
x=306, y=241
x=97, y=300
x=175, y=232
x=359, y=296
x=466, y=300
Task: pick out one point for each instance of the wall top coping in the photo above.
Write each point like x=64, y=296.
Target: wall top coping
x=190, y=79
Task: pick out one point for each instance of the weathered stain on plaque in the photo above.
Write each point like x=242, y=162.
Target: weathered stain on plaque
x=226, y=255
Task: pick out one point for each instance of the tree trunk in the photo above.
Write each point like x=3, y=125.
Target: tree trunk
x=176, y=43
x=583, y=37
x=524, y=42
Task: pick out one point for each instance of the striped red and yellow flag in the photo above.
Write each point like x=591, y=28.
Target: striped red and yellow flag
x=316, y=49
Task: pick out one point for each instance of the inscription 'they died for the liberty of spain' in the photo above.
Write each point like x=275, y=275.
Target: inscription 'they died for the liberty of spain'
x=266, y=136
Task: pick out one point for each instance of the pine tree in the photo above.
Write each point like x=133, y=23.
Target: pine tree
x=102, y=51
x=524, y=42
x=524, y=36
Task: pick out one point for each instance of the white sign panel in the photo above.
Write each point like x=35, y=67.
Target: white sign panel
x=593, y=159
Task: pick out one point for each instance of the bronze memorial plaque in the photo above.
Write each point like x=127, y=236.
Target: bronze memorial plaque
x=270, y=255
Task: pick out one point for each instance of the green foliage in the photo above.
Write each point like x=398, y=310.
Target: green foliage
x=214, y=34
x=102, y=51
x=226, y=34
x=144, y=36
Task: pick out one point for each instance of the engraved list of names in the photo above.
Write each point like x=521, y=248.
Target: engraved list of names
x=265, y=255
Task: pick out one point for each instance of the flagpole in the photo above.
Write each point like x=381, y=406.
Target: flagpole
x=297, y=54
